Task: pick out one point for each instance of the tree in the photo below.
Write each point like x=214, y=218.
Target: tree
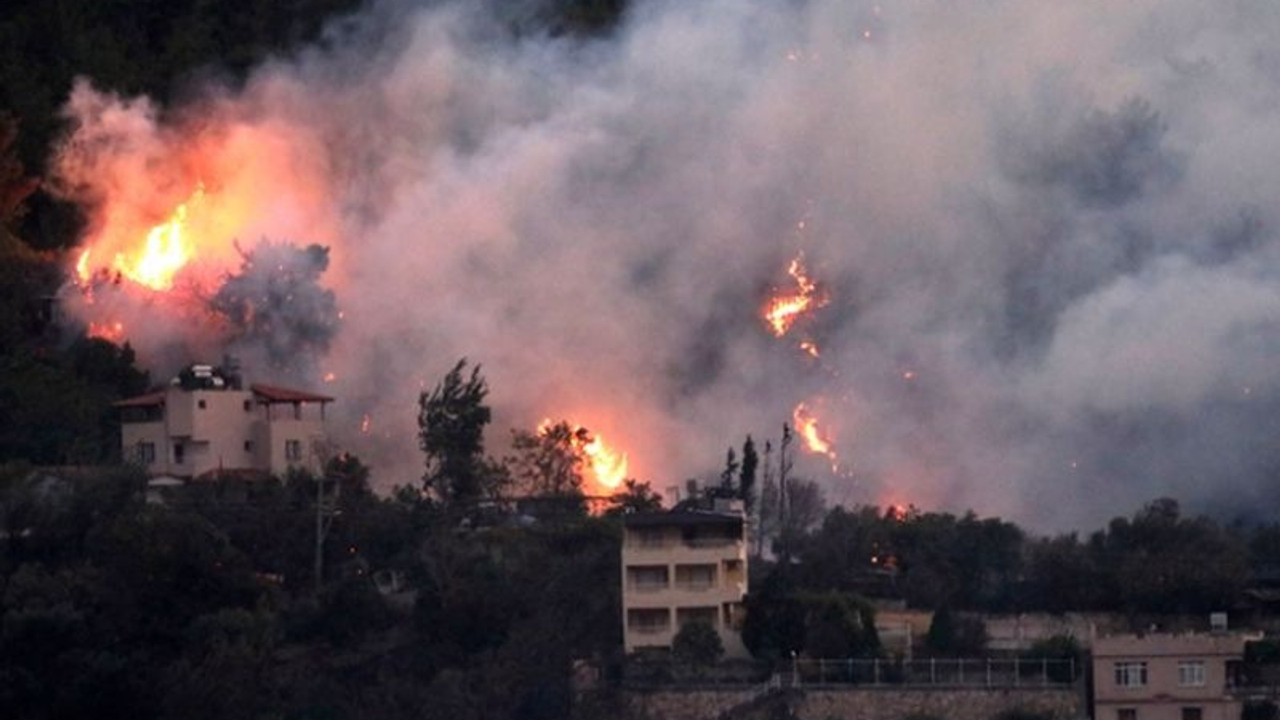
x=839, y=625
x=451, y=421
x=698, y=644
x=276, y=303
x=804, y=505
x=634, y=497
x=768, y=513
x=747, y=475
x=952, y=635
x=549, y=462
x=730, y=468
x=775, y=623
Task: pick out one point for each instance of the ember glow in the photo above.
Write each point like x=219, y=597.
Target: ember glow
x=815, y=440
x=111, y=331
x=783, y=310
x=607, y=464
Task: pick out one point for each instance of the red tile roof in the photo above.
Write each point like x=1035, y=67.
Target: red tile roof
x=149, y=400
x=273, y=394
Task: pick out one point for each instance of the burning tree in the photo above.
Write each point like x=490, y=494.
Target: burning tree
x=550, y=461
x=276, y=303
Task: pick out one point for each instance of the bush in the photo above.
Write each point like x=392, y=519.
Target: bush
x=698, y=644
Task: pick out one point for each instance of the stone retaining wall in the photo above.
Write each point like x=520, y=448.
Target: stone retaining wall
x=950, y=704
x=882, y=703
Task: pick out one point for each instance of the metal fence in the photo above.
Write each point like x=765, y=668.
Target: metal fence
x=941, y=672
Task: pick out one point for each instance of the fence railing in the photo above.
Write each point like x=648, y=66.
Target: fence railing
x=949, y=672
x=939, y=673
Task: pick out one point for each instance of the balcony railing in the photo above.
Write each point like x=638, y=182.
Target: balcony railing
x=648, y=587
x=695, y=585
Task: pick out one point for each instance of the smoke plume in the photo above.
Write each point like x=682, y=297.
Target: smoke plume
x=1045, y=232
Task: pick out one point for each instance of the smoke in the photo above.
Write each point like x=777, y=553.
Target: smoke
x=276, y=305
x=1046, y=231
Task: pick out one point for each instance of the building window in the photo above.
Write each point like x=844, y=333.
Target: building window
x=647, y=578
x=695, y=577
x=146, y=453
x=1131, y=674
x=650, y=537
x=293, y=450
x=201, y=404
x=179, y=454
x=1192, y=713
x=1127, y=714
x=686, y=615
x=1191, y=674
x=248, y=406
x=248, y=446
x=648, y=621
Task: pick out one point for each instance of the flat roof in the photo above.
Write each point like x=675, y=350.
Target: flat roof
x=151, y=399
x=272, y=393
x=682, y=518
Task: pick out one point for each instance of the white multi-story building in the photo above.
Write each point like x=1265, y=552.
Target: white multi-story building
x=204, y=421
x=683, y=566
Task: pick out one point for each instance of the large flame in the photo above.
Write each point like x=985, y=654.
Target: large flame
x=171, y=211
x=783, y=310
x=814, y=439
x=154, y=259
x=607, y=465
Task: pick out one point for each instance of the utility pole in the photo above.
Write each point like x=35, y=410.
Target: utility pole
x=326, y=509
x=784, y=502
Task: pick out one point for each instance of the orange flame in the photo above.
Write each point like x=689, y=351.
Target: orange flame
x=164, y=252
x=815, y=441
x=782, y=311
x=110, y=331
x=608, y=465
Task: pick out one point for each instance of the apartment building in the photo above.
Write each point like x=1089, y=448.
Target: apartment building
x=1164, y=676
x=682, y=566
x=205, y=421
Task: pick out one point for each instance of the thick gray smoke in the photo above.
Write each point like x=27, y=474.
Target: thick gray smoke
x=1046, y=231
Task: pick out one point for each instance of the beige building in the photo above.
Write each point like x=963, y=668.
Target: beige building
x=1162, y=676
x=204, y=421
x=682, y=566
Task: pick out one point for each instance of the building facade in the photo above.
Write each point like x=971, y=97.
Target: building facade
x=679, y=567
x=1162, y=676
x=204, y=421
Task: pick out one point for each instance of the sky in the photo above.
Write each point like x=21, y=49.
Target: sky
x=1043, y=232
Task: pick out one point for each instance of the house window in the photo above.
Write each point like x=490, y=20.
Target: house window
x=146, y=453
x=686, y=615
x=647, y=578
x=1127, y=714
x=695, y=577
x=1191, y=674
x=648, y=621
x=650, y=537
x=1131, y=674
x=201, y=404
x=179, y=454
x=248, y=446
x=293, y=450
x=1192, y=713
x=248, y=406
